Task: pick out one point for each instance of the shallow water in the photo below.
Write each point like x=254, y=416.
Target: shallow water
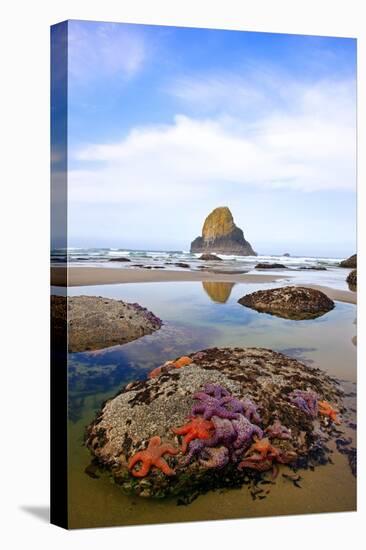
x=197, y=316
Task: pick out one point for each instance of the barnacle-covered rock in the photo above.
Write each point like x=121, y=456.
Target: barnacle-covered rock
x=290, y=302
x=254, y=385
x=94, y=322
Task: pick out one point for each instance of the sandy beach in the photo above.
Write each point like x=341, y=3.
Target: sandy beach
x=90, y=276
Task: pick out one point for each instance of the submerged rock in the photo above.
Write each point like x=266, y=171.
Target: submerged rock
x=220, y=234
x=122, y=259
x=204, y=418
x=95, y=322
x=350, y=262
x=210, y=258
x=270, y=266
x=313, y=268
x=289, y=302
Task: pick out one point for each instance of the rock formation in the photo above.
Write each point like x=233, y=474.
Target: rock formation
x=220, y=234
x=350, y=262
x=290, y=302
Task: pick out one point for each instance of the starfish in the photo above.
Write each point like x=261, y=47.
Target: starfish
x=215, y=457
x=276, y=430
x=182, y=362
x=211, y=406
x=224, y=434
x=195, y=448
x=177, y=364
x=264, y=449
x=152, y=456
x=327, y=410
x=245, y=431
x=158, y=370
x=307, y=401
x=264, y=456
x=216, y=391
x=196, y=428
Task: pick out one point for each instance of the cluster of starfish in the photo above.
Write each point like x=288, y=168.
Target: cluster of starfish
x=221, y=429
x=309, y=403
x=215, y=400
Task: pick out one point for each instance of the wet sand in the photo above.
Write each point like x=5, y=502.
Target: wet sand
x=90, y=276
x=335, y=294
x=86, y=276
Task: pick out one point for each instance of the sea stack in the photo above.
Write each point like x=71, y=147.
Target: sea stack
x=221, y=235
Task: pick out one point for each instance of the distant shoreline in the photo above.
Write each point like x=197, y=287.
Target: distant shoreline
x=93, y=276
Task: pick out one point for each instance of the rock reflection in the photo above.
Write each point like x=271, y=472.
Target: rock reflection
x=218, y=292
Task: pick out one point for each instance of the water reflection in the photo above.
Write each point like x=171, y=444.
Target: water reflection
x=218, y=292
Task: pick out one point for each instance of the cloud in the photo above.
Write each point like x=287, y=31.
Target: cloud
x=310, y=146
x=100, y=50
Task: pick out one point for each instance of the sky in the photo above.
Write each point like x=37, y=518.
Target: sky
x=166, y=123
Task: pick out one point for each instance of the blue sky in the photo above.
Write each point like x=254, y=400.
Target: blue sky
x=167, y=123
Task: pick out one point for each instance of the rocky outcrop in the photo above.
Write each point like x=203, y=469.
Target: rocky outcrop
x=352, y=279
x=221, y=235
x=97, y=323
x=350, y=262
x=189, y=429
x=290, y=302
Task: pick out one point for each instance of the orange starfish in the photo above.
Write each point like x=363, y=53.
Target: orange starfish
x=264, y=448
x=196, y=428
x=327, y=410
x=152, y=456
x=182, y=362
x=177, y=364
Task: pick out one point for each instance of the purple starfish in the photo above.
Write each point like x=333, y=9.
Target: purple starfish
x=277, y=430
x=215, y=457
x=245, y=431
x=216, y=391
x=210, y=406
x=194, y=449
x=307, y=401
x=224, y=434
x=251, y=411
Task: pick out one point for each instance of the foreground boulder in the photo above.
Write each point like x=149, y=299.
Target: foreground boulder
x=216, y=419
x=96, y=323
x=290, y=302
x=350, y=262
x=221, y=235
x=352, y=279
